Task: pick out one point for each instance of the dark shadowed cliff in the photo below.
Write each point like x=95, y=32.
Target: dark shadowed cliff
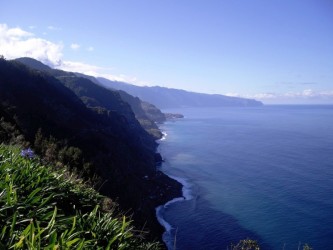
x=94, y=95
x=67, y=119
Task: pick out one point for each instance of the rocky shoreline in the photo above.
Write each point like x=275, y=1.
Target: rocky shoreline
x=161, y=189
x=170, y=116
x=167, y=188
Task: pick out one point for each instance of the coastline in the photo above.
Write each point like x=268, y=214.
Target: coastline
x=168, y=233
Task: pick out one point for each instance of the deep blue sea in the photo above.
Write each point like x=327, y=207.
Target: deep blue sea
x=265, y=173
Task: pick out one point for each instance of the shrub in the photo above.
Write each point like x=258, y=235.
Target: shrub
x=41, y=208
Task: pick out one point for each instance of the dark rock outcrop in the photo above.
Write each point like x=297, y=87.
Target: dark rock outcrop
x=170, y=116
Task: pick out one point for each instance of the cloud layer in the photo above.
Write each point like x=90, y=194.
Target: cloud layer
x=302, y=97
x=75, y=46
x=15, y=42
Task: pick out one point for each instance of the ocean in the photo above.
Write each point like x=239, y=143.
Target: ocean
x=264, y=173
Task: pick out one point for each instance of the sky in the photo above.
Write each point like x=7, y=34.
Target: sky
x=276, y=51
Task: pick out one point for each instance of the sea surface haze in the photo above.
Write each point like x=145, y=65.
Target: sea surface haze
x=265, y=173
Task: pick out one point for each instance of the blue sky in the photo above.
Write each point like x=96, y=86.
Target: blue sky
x=277, y=51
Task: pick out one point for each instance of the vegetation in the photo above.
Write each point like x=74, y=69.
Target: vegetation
x=42, y=208
x=76, y=125
x=96, y=97
x=246, y=244
x=91, y=138
x=249, y=244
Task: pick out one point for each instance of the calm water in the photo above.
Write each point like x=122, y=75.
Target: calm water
x=264, y=173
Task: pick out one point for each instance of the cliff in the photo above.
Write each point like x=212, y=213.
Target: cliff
x=146, y=113
x=74, y=123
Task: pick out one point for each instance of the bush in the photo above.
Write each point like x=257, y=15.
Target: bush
x=41, y=208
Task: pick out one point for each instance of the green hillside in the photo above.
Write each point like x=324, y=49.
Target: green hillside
x=103, y=144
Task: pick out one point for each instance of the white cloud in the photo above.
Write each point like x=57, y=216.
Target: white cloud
x=32, y=27
x=308, y=93
x=233, y=94
x=78, y=67
x=50, y=27
x=15, y=42
x=96, y=71
x=90, y=48
x=265, y=96
x=7, y=34
x=75, y=46
x=124, y=78
x=301, y=97
x=254, y=96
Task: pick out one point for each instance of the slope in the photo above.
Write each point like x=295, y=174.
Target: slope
x=108, y=144
x=94, y=95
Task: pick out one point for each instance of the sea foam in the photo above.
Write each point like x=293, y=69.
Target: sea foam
x=164, y=136
x=167, y=236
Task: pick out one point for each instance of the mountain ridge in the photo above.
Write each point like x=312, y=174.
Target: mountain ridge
x=165, y=98
x=95, y=95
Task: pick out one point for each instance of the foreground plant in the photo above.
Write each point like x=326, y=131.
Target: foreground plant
x=41, y=209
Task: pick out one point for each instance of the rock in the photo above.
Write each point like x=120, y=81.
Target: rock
x=158, y=159
x=170, y=116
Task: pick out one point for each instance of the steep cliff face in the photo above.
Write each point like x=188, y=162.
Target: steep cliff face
x=147, y=114
x=94, y=95
x=97, y=122
x=153, y=112
x=104, y=101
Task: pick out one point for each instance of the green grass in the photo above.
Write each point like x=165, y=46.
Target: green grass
x=42, y=208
